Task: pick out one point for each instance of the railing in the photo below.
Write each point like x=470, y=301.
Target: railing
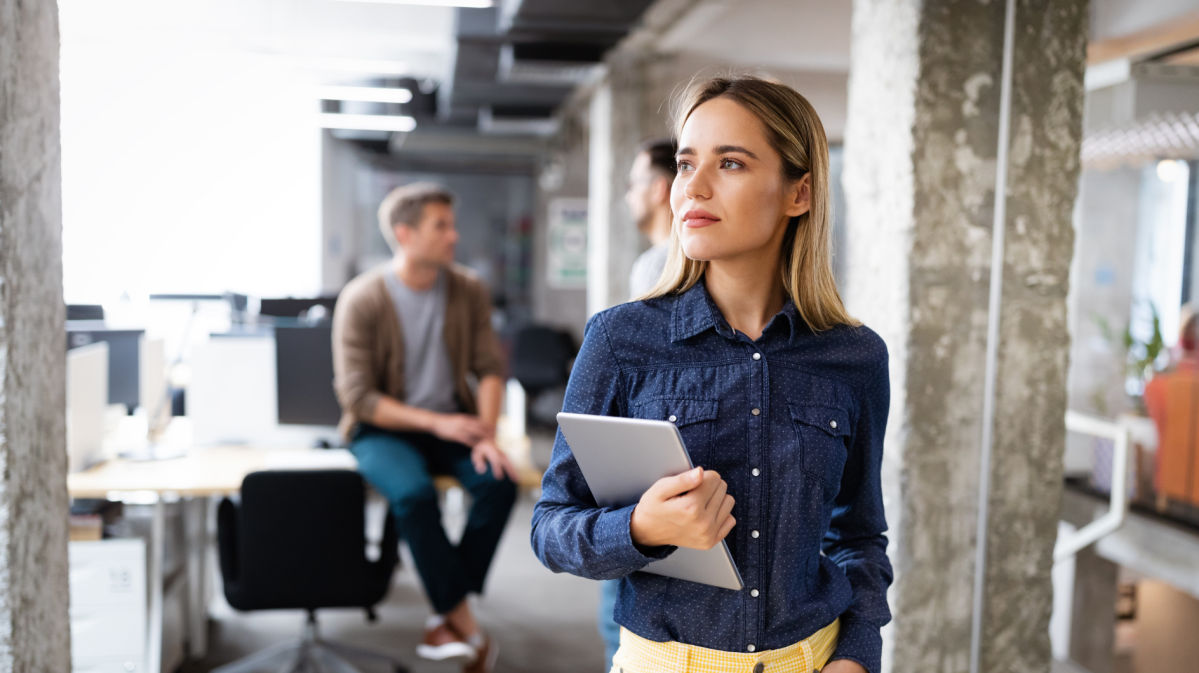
x=1108, y=523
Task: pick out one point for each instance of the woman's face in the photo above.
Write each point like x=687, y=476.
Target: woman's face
x=730, y=197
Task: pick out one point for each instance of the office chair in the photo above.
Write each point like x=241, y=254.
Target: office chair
x=297, y=540
x=541, y=359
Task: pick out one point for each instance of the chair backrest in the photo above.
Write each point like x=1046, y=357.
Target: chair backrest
x=298, y=540
x=541, y=357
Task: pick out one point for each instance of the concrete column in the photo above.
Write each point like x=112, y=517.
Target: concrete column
x=920, y=153
x=616, y=128
x=34, y=629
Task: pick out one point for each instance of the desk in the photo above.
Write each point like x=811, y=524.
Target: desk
x=195, y=478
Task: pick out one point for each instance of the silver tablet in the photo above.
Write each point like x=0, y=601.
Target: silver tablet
x=620, y=459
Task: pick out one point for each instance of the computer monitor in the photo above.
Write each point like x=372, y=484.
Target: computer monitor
x=87, y=398
x=292, y=308
x=124, y=366
x=304, y=375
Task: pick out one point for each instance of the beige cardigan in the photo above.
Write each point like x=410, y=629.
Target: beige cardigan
x=368, y=347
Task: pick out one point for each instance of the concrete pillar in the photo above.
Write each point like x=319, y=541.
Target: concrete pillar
x=921, y=144
x=34, y=630
x=616, y=129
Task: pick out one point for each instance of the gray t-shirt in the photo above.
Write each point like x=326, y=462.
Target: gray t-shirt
x=428, y=375
x=648, y=269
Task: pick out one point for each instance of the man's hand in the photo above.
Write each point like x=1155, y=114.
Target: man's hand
x=692, y=509
x=486, y=453
x=461, y=428
x=843, y=666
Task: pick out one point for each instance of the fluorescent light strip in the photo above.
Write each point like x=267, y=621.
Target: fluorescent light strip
x=479, y=4
x=364, y=94
x=333, y=120
x=351, y=65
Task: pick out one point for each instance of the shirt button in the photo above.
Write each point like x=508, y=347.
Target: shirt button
x=750, y=647
x=754, y=593
x=755, y=472
x=674, y=418
x=757, y=356
x=755, y=411
x=833, y=424
x=760, y=667
x=754, y=534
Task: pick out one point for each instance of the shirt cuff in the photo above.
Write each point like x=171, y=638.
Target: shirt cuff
x=614, y=536
x=862, y=642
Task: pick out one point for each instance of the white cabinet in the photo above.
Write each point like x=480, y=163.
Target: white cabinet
x=108, y=606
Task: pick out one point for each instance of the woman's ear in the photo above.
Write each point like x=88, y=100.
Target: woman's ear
x=799, y=197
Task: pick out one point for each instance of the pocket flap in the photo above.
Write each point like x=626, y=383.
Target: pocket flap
x=677, y=411
x=831, y=420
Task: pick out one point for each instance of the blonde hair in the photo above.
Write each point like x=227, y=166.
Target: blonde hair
x=795, y=132
x=406, y=205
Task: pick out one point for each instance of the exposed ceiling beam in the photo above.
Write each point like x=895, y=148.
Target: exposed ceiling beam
x=1180, y=32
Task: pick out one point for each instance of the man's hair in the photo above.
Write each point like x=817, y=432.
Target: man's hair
x=661, y=156
x=406, y=205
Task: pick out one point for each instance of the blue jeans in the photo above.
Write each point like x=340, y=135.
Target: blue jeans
x=609, y=630
x=400, y=465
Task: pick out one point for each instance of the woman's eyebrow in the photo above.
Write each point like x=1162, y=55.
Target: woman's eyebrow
x=720, y=149
x=725, y=149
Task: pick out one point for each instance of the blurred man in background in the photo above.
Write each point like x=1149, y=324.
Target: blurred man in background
x=648, y=198
x=405, y=337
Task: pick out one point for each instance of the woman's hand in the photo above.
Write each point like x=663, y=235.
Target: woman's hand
x=692, y=509
x=843, y=666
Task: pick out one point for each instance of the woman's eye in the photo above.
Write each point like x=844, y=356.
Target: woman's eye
x=684, y=166
x=729, y=163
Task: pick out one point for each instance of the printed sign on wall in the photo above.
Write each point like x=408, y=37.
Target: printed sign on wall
x=566, y=266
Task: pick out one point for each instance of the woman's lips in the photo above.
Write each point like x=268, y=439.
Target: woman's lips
x=699, y=218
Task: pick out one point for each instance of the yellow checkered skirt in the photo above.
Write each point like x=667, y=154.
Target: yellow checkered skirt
x=638, y=655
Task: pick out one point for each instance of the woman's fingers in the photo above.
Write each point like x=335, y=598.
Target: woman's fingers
x=717, y=497
x=725, y=528
x=726, y=509
x=669, y=487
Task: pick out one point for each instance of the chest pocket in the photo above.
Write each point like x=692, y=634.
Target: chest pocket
x=823, y=433
x=696, y=420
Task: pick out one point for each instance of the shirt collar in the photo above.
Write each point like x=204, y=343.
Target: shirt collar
x=695, y=312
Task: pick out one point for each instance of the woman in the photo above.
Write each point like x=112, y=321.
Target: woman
x=780, y=396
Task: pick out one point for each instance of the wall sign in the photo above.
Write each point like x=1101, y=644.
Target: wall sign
x=566, y=264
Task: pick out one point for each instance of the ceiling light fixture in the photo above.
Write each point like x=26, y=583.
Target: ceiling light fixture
x=361, y=65
x=477, y=4
x=333, y=120
x=365, y=94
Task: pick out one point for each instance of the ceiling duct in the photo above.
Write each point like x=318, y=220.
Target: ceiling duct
x=550, y=62
x=528, y=53
x=536, y=120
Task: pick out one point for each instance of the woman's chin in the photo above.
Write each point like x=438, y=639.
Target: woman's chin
x=699, y=250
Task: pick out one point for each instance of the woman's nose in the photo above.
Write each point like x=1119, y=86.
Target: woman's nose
x=698, y=186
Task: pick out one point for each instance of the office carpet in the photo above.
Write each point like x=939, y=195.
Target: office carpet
x=544, y=623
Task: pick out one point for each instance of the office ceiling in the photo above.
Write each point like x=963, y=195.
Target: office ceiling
x=795, y=35
x=516, y=62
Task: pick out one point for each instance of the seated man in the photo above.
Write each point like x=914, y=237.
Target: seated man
x=405, y=337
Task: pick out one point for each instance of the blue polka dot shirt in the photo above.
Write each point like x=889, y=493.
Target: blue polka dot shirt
x=793, y=421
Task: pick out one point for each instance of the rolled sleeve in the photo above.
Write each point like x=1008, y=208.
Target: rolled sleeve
x=861, y=642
